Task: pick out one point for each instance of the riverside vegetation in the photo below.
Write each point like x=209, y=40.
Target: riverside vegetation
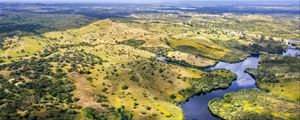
x=75, y=66
x=278, y=78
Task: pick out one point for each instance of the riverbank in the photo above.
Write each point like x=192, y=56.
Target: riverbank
x=254, y=104
x=277, y=78
x=279, y=75
x=196, y=106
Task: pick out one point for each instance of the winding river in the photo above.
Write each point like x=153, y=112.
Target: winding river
x=292, y=51
x=196, y=108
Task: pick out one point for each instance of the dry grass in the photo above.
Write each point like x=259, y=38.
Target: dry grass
x=191, y=59
x=84, y=92
x=154, y=82
x=5, y=73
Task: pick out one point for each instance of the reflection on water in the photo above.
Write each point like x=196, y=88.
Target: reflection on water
x=196, y=108
x=160, y=58
x=243, y=79
x=292, y=51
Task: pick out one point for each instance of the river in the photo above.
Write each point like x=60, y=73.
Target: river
x=196, y=107
x=291, y=51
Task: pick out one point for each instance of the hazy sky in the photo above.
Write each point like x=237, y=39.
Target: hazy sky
x=130, y=1
x=100, y=1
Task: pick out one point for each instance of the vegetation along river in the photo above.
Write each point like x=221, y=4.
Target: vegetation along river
x=196, y=108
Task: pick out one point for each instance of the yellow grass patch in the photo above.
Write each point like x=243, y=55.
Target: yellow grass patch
x=191, y=59
x=84, y=92
x=210, y=51
x=289, y=89
x=5, y=73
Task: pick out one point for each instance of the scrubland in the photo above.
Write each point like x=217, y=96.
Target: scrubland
x=107, y=69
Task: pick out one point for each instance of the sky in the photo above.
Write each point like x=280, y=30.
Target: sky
x=134, y=1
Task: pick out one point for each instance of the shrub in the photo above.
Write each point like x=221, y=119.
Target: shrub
x=124, y=87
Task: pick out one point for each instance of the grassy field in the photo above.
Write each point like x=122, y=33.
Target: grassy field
x=254, y=104
x=191, y=59
x=225, y=37
x=110, y=73
x=72, y=67
x=277, y=97
x=279, y=75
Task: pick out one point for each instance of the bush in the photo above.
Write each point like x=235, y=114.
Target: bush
x=124, y=87
x=133, y=43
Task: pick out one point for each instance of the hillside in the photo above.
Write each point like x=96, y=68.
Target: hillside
x=174, y=61
x=78, y=71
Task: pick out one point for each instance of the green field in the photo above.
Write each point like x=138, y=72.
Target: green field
x=254, y=104
x=91, y=62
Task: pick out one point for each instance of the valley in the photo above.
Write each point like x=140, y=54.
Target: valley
x=115, y=61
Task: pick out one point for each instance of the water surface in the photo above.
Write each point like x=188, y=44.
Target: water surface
x=196, y=108
x=291, y=51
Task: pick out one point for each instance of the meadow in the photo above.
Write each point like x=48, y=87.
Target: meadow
x=72, y=62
